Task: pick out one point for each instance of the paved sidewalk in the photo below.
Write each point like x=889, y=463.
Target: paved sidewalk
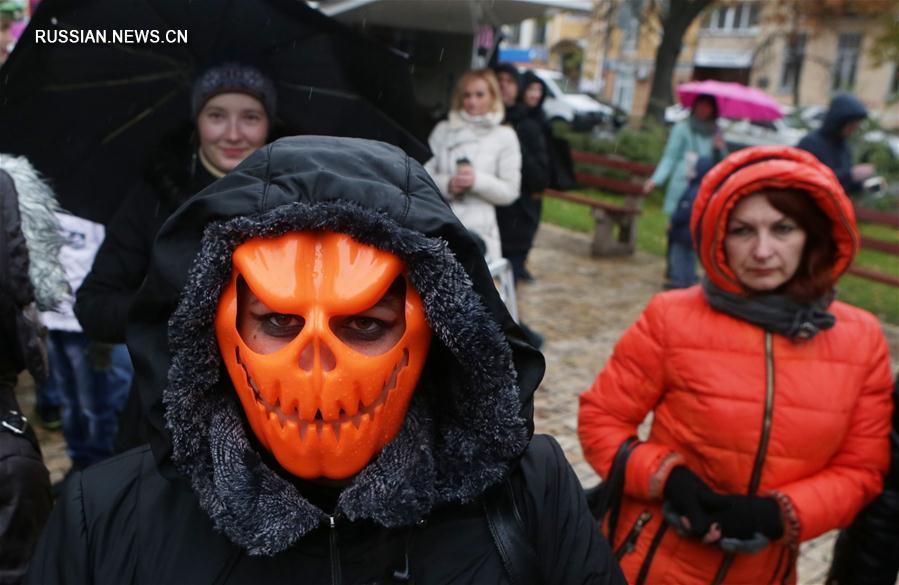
x=582, y=306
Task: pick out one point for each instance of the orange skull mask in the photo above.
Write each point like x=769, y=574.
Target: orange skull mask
x=322, y=402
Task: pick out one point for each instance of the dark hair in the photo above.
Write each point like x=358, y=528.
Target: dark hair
x=813, y=278
x=709, y=99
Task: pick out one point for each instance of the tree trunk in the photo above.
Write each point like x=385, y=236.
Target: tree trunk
x=675, y=23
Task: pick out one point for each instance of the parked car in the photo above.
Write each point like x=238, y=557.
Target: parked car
x=743, y=133
x=565, y=102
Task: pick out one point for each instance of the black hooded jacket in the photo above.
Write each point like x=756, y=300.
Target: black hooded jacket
x=519, y=221
x=828, y=143
x=203, y=504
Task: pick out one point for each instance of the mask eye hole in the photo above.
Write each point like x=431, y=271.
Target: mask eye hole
x=377, y=329
x=262, y=329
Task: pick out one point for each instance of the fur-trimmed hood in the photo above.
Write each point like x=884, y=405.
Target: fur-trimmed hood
x=37, y=206
x=470, y=417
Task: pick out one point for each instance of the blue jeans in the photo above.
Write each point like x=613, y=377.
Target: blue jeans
x=91, y=397
x=681, y=265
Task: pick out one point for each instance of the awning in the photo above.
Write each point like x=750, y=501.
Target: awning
x=722, y=59
x=457, y=16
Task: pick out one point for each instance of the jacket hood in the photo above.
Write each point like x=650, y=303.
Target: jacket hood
x=528, y=78
x=470, y=417
x=767, y=167
x=43, y=239
x=843, y=109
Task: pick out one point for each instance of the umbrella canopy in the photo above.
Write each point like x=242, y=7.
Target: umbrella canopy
x=93, y=86
x=734, y=99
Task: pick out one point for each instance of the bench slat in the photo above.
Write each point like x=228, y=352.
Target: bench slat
x=601, y=160
x=880, y=246
x=874, y=275
x=615, y=185
x=866, y=215
x=589, y=201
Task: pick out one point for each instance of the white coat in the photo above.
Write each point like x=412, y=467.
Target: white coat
x=493, y=151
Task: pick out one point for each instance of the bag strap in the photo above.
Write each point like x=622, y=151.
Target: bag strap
x=612, y=496
x=510, y=535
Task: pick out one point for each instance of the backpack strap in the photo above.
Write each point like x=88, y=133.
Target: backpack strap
x=510, y=536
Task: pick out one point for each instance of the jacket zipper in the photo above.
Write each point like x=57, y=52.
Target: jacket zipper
x=756, y=476
x=336, y=577
x=630, y=541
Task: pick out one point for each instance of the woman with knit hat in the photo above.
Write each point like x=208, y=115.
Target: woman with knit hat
x=771, y=400
x=232, y=108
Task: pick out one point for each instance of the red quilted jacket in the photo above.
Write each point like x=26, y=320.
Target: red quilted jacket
x=746, y=410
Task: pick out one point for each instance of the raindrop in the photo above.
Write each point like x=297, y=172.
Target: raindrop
x=53, y=21
x=442, y=50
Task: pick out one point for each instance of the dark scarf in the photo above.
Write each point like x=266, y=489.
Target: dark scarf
x=774, y=312
x=703, y=127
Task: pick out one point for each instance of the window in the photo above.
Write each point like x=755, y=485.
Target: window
x=540, y=31
x=740, y=16
x=846, y=63
x=894, y=84
x=512, y=33
x=793, y=58
x=630, y=27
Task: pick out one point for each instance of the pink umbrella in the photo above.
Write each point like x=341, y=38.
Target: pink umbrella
x=734, y=99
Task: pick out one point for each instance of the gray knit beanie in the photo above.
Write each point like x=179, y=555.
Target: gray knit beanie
x=232, y=77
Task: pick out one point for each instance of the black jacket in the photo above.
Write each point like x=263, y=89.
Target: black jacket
x=828, y=144
x=519, y=221
x=204, y=504
x=104, y=298
x=867, y=553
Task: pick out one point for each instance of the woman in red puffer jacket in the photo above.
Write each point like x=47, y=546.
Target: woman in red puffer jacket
x=771, y=400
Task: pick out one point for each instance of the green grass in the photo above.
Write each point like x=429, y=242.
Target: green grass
x=880, y=299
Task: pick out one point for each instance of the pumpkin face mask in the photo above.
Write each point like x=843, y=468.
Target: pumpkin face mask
x=324, y=339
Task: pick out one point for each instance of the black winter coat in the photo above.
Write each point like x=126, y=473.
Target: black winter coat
x=519, y=221
x=206, y=504
x=150, y=529
x=867, y=553
x=104, y=298
x=828, y=144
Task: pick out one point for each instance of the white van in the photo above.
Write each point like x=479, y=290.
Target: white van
x=565, y=102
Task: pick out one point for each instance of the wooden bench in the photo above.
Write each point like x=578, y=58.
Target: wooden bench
x=615, y=233
x=884, y=218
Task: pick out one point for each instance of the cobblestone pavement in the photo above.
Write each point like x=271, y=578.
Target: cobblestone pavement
x=582, y=306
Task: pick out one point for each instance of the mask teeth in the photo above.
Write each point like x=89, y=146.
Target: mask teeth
x=319, y=427
x=357, y=420
x=304, y=428
x=336, y=427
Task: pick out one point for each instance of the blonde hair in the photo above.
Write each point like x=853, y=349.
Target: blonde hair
x=487, y=76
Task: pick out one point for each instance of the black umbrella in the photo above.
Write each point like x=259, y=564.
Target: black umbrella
x=94, y=85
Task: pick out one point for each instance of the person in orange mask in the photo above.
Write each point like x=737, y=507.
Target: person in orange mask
x=336, y=394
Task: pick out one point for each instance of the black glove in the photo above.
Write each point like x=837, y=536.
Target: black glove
x=684, y=494
x=742, y=517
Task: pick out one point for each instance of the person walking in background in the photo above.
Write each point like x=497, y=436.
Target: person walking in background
x=477, y=160
x=681, y=255
x=690, y=139
x=518, y=222
x=232, y=106
x=338, y=396
x=867, y=553
x=31, y=278
x=771, y=400
x=830, y=142
x=91, y=378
